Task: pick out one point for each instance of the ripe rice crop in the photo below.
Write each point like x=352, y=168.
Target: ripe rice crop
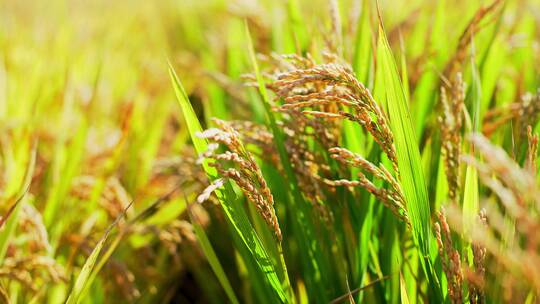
x=323, y=151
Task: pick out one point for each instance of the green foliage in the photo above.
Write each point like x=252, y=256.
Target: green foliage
x=395, y=156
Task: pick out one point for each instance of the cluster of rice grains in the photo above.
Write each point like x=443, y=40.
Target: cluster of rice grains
x=313, y=100
x=310, y=103
x=327, y=94
x=455, y=270
x=522, y=113
x=29, y=262
x=505, y=228
x=452, y=100
x=307, y=164
x=451, y=260
x=237, y=164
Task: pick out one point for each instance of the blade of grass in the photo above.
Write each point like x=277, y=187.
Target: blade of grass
x=8, y=222
x=299, y=30
x=354, y=291
x=471, y=200
x=211, y=256
x=403, y=290
x=216, y=96
x=390, y=93
x=362, y=59
x=87, y=275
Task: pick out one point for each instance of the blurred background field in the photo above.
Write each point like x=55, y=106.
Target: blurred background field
x=89, y=124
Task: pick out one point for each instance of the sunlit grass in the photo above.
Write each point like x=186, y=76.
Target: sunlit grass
x=363, y=151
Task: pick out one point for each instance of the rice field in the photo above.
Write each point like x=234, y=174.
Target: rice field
x=258, y=151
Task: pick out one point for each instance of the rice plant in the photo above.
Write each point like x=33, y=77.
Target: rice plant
x=323, y=151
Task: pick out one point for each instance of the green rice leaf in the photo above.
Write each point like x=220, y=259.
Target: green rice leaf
x=410, y=165
x=299, y=30
x=212, y=257
x=89, y=270
x=403, y=290
x=471, y=199
x=390, y=93
x=362, y=56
